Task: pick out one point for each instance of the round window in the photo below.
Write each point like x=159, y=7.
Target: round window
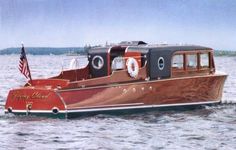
x=97, y=62
x=161, y=63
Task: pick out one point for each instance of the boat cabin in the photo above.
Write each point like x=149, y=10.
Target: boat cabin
x=138, y=61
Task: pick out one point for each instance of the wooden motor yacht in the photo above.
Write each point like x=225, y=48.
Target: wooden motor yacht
x=123, y=78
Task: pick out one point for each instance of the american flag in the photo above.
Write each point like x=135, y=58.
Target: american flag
x=23, y=64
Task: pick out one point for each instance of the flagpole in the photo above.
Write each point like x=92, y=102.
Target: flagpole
x=27, y=63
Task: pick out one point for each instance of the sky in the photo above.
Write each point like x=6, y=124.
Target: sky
x=69, y=23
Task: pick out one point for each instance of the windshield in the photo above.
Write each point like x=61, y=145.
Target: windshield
x=74, y=62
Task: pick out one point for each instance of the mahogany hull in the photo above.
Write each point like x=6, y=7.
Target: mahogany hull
x=145, y=95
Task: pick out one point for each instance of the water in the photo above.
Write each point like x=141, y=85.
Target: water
x=209, y=128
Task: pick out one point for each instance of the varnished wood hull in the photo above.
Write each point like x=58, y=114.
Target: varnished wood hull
x=136, y=96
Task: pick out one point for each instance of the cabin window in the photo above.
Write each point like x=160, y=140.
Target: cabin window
x=97, y=62
x=161, y=63
x=192, y=61
x=118, y=63
x=178, y=62
x=204, y=60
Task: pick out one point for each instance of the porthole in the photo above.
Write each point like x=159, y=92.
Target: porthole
x=161, y=63
x=97, y=62
x=9, y=109
x=55, y=110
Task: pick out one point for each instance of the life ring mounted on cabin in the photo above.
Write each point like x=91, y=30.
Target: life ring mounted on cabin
x=132, y=66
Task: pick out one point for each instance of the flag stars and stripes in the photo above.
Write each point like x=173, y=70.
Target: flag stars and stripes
x=23, y=64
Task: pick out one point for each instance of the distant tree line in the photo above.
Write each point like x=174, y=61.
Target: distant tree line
x=224, y=53
x=45, y=50
x=77, y=50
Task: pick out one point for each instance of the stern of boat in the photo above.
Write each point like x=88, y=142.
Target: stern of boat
x=35, y=101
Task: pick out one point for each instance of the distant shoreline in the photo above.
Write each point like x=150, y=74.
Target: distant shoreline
x=77, y=50
x=225, y=53
x=44, y=50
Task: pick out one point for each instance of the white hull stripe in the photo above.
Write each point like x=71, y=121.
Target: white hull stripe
x=34, y=111
x=140, y=107
x=114, y=108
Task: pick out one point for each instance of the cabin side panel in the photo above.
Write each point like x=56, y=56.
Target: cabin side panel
x=98, y=64
x=159, y=64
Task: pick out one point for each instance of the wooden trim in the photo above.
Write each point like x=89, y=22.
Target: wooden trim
x=178, y=90
x=108, y=63
x=141, y=82
x=185, y=62
x=115, y=77
x=74, y=74
x=198, y=61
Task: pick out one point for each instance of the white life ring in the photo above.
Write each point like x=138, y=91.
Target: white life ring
x=132, y=66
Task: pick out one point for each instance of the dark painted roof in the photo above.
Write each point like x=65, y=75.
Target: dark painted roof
x=146, y=48
x=183, y=47
x=98, y=50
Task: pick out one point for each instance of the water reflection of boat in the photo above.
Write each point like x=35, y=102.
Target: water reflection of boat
x=125, y=78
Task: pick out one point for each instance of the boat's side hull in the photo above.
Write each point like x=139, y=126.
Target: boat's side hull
x=159, y=92
x=124, y=98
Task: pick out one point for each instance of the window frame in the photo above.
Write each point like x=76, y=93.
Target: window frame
x=188, y=68
x=191, y=71
x=178, y=69
x=209, y=61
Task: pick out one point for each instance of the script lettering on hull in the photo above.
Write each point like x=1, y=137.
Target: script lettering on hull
x=35, y=95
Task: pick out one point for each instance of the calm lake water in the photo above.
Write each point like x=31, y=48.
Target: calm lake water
x=209, y=128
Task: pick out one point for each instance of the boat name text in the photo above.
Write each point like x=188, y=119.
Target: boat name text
x=35, y=95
